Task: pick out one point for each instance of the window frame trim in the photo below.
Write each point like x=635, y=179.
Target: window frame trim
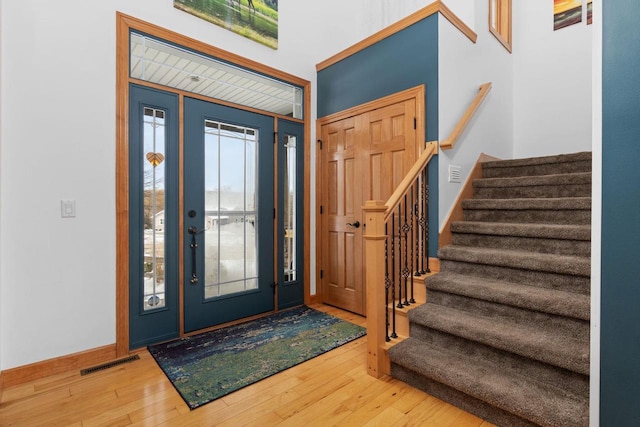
x=503, y=11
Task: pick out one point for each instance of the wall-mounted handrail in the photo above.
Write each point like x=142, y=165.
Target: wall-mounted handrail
x=450, y=142
x=422, y=162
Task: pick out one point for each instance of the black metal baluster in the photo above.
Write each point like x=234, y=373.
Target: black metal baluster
x=413, y=254
x=425, y=173
x=405, y=271
x=418, y=227
x=400, y=305
x=387, y=283
x=422, y=224
x=393, y=275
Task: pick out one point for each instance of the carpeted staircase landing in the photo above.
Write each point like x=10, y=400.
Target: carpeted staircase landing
x=505, y=330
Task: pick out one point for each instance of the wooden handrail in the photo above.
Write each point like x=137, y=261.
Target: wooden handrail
x=422, y=162
x=376, y=216
x=450, y=142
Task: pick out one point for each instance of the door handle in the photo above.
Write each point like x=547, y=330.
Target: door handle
x=354, y=225
x=193, y=245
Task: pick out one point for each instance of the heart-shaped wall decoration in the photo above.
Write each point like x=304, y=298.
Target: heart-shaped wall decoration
x=155, y=158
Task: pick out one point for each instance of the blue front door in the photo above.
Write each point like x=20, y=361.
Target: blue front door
x=228, y=211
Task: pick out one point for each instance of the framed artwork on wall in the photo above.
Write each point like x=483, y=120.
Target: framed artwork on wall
x=254, y=19
x=589, y=12
x=566, y=12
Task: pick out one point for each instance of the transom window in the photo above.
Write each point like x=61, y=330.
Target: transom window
x=155, y=61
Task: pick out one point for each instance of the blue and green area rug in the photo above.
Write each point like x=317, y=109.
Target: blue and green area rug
x=208, y=366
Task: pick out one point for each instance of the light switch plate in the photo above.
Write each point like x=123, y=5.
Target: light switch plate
x=68, y=208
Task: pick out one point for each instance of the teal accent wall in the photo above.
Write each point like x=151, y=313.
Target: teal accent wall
x=404, y=60
x=620, y=332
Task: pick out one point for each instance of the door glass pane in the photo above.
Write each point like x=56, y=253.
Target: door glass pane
x=231, y=236
x=290, y=208
x=154, y=209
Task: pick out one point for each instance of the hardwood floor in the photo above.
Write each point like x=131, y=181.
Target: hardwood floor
x=332, y=389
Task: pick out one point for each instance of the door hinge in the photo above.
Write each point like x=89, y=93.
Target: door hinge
x=275, y=137
x=320, y=142
x=415, y=123
x=274, y=213
x=274, y=285
x=321, y=274
x=321, y=209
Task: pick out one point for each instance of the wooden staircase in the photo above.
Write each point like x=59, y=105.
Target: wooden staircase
x=504, y=333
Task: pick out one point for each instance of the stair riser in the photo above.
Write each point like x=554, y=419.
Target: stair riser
x=461, y=400
x=537, y=170
x=579, y=329
x=578, y=284
x=542, y=191
x=565, y=217
x=572, y=382
x=530, y=244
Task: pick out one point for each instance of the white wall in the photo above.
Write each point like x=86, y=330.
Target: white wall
x=552, y=82
x=463, y=67
x=58, y=141
x=57, y=109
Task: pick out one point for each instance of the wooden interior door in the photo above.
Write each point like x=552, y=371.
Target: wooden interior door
x=343, y=284
x=363, y=157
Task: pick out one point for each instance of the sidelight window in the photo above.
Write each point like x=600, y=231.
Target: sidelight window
x=153, y=201
x=290, y=214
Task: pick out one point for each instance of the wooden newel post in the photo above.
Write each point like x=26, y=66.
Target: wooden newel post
x=374, y=239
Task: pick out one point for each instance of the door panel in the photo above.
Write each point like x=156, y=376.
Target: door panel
x=366, y=157
x=153, y=216
x=392, y=147
x=228, y=214
x=291, y=227
x=343, y=245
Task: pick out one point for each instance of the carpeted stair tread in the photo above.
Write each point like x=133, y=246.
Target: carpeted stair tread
x=520, y=295
x=569, y=239
x=565, y=163
x=559, y=203
x=524, y=181
x=552, y=346
x=538, y=402
x=543, y=231
x=551, y=263
x=534, y=181
x=542, y=186
x=537, y=161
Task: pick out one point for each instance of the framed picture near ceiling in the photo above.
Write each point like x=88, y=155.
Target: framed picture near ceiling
x=254, y=19
x=589, y=12
x=566, y=12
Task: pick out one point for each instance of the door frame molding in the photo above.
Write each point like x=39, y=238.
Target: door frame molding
x=419, y=94
x=124, y=25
